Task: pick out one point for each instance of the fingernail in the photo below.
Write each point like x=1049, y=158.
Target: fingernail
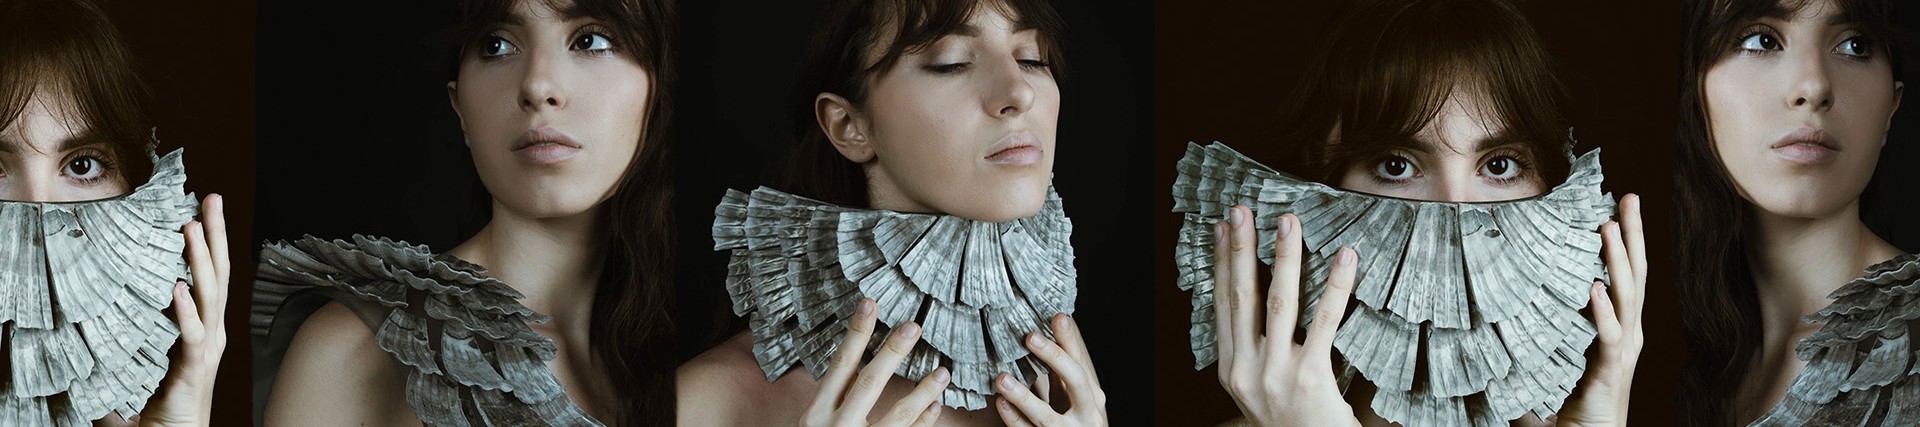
x=866, y=307
x=941, y=375
x=1346, y=256
x=910, y=329
x=1236, y=217
x=1033, y=340
x=1286, y=227
x=1007, y=382
x=1219, y=233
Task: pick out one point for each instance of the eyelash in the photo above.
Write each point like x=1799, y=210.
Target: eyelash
x=482, y=45
x=1026, y=64
x=107, y=167
x=1762, y=30
x=1521, y=162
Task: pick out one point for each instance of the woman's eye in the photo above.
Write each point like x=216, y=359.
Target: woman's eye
x=1759, y=42
x=1857, y=46
x=1394, y=168
x=1501, y=168
x=85, y=169
x=494, y=47
x=591, y=42
x=1035, y=64
x=947, y=68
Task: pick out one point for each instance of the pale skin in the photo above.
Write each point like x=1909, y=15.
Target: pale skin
x=553, y=72
x=1458, y=157
x=938, y=116
x=1800, y=69
x=48, y=155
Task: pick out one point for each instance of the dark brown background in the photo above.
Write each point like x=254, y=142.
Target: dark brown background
x=197, y=59
x=1222, y=68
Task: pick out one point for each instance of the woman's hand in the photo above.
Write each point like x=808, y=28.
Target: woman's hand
x=186, y=395
x=1277, y=382
x=1071, y=365
x=1602, y=397
x=839, y=405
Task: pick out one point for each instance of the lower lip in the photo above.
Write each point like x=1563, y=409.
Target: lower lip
x=1805, y=154
x=546, y=154
x=1020, y=156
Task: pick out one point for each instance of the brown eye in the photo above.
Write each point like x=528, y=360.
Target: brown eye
x=1394, y=168
x=591, y=42
x=85, y=168
x=494, y=47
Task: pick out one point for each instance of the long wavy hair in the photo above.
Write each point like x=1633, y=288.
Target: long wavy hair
x=632, y=329
x=1720, y=316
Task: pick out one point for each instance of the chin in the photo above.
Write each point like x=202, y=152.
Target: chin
x=1013, y=202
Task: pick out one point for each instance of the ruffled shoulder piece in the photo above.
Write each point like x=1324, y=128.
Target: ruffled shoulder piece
x=86, y=287
x=1860, y=365
x=1469, y=312
x=800, y=267
x=472, y=358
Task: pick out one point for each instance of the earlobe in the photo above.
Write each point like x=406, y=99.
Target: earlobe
x=453, y=100
x=843, y=126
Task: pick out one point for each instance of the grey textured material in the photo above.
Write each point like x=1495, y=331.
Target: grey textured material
x=472, y=358
x=1860, y=365
x=1469, y=312
x=801, y=266
x=84, y=289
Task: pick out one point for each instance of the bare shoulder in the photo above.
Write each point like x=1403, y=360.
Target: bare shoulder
x=725, y=386
x=334, y=371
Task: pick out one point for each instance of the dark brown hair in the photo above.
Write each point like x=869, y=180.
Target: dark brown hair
x=851, y=31
x=1720, y=310
x=70, y=49
x=632, y=329
x=1389, y=65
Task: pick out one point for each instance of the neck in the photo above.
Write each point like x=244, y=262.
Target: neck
x=1797, y=262
x=554, y=261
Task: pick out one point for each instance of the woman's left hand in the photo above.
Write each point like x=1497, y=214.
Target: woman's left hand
x=1601, y=399
x=186, y=395
x=1087, y=403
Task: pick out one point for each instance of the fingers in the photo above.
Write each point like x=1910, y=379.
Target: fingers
x=1067, y=334
x=1246, y=305
x=1009, y=415
x=845, y=362
x=928, y=416
x=1029, y=407
x=1081, y=386
x=213, y=210
x=873, y=378
x=192, y=330
x=1635, y=233
x=1619, y=267
x=1333, y=304
x=1604, y=319
x=1222, y=300
x=1283, y=296
x=205, y=280
x=925, y=397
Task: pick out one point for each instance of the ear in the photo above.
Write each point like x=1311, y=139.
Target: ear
x=844, y=127
x=453, y=99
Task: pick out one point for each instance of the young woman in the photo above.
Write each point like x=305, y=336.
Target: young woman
x=907, y=99
x=556, y=311
x=1450, y=101
x=1785, y=108
x=73, y=130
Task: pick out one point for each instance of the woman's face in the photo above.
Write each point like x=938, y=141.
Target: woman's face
x=553, y=111
x=1799, y=111
x=1462, y=155
x=49, y=155
x=964, y=127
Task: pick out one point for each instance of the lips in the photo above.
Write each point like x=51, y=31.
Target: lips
x=1806, y=146
x=1019, y=148
x=545, y=146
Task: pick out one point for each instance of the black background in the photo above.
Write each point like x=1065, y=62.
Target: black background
x=358, y=137
x=1224, y=66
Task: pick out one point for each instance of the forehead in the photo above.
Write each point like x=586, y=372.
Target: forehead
x=47, y=120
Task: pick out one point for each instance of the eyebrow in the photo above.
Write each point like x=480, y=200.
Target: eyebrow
x=13, y=147
x=1501, y=139
x=1784, y=13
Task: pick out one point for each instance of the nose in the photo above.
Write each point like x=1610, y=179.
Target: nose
x=1811, y=89
x=541, y=85
x=1012, y=93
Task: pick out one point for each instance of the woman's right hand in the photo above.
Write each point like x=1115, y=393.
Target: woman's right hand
x=841, y=405
x=1275, y=381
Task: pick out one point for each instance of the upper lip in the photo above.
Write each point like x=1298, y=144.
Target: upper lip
x=1016, y=139
x=544, y=135
x=1808, y=135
